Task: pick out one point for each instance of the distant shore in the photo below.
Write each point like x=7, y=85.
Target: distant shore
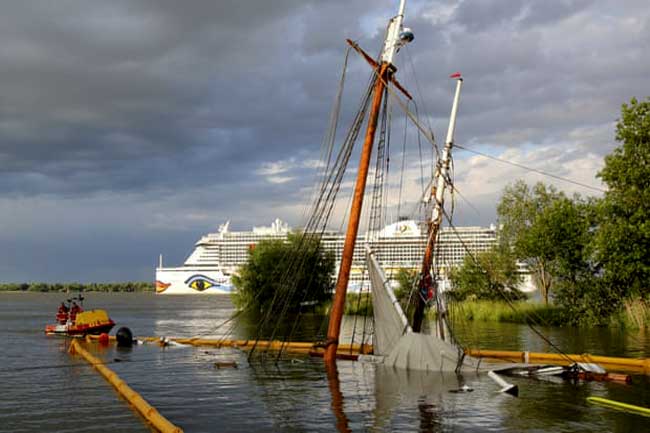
x=127, y=287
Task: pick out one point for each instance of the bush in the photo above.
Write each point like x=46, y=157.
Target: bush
x=279, y=274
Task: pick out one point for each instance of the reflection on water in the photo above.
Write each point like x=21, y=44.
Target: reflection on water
x=334, y=385
x=295, y=394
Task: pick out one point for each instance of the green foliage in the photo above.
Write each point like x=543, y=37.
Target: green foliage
x=406, y=279
x=623, y=238
x=551, y=233
x=635, y=314
x=518, y=212
x=488, y=275
x=129, y=286
x=358, y=304
x=275, y=268
x=591, y=254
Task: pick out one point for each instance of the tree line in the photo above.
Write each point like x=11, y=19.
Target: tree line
x=130, y=286
x=588, y=255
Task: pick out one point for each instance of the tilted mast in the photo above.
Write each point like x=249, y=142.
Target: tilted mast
x=427, y=285
x=384, y=71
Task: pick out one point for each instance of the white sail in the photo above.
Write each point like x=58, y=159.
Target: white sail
x=390, y=322
x=394, y=340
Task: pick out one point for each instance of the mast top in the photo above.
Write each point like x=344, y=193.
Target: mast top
x=396, y=36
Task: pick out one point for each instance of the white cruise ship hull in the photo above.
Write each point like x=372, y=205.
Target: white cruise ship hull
x=399, y=245
x=192, y=281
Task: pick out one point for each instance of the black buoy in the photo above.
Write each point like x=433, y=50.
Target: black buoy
x=124, y=337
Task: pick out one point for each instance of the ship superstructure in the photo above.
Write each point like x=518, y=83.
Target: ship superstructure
x=218, y=255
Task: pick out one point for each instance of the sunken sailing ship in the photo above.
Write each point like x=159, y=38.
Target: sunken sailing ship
x=397, y=341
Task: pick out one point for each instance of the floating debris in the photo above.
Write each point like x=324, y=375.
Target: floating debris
x=463, y=388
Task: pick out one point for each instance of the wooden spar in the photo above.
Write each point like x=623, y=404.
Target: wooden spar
x=338, y=305
x=427, y=284
x=375, y=65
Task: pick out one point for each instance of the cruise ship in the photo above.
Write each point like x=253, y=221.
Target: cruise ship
x=217, y=256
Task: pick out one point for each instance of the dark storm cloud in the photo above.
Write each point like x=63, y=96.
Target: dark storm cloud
x=115, y=96
x=157, y=119
x=537, y=70
x=485, y=15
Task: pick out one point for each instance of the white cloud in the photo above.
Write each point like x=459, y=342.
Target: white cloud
x=279, y=179
x=276, y=167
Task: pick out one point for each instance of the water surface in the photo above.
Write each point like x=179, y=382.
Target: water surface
x=45, y=389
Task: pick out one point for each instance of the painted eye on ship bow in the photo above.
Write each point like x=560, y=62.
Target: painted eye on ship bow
x=200, y=282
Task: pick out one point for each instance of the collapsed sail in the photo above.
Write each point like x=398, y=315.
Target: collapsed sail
x=395, y=341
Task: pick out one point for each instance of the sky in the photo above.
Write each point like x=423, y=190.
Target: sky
x=130, y=128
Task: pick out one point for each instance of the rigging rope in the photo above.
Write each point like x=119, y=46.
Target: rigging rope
x=319, y=215
x=533, y=170
x=503, y=293
x=430, y=138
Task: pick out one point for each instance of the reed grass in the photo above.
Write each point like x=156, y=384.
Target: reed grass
x=634, y=314
x=358, y=304
x=496, y=311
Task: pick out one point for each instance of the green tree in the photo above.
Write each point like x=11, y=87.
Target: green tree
x=406, y=279
x=552, y=234
x=518, y=211
x=623, y=239
x=565, y=232
x=278, y=273
x=489, y=275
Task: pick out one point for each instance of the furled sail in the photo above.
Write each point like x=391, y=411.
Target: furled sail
x=390, y=322
x=395, y=341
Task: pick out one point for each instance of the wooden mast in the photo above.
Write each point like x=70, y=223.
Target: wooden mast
x=383, y=71
x=338, y=305
x=427, y=284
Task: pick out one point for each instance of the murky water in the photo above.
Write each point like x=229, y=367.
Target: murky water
x=42, y=388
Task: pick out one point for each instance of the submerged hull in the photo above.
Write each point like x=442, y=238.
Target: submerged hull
x=395, y=343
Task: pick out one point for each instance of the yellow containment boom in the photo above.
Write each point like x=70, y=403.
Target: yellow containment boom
x=619, y=405
x=628, y=365
x=350, y=351
x=148, y=412
x=344, y=350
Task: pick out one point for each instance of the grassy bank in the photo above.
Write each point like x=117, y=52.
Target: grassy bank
x=484, y=311
x=494, y=311
x=129, y=286
x=633, y=314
